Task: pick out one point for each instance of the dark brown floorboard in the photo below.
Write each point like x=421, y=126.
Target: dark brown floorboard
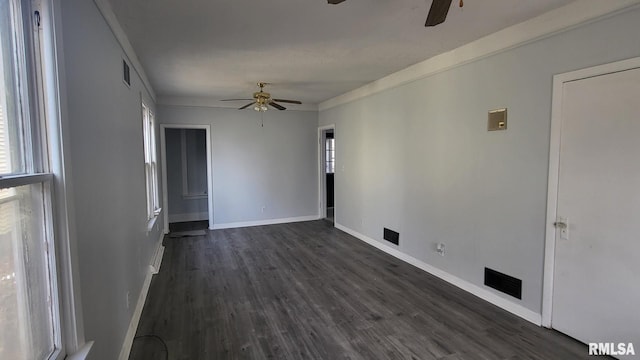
x=310, y=291
x=189, y=225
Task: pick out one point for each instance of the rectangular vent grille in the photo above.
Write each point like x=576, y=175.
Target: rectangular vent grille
x=126, y=73
x=391, y=236
x=502, y=282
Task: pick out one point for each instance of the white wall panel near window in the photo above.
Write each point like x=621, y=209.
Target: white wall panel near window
x=116, y=242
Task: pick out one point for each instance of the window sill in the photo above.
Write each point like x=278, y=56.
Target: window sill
x=152, y=222
x=82, y=353
x=194, y=197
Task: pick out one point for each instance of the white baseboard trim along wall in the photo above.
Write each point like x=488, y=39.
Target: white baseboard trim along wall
x=156, y=261
x=265, y=222
x=484, y=294
x=154, y=267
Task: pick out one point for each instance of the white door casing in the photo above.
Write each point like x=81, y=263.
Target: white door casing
x=322, y=206
x=163, y=151
x=591, y=290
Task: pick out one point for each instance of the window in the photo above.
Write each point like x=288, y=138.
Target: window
x=150, y=163
x=29, y=314
x=330, y=155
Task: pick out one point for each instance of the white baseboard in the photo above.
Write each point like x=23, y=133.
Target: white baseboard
x=156, y=260
x=137, y=313
x=173, y=218
x=264, y=222
x=484, y=294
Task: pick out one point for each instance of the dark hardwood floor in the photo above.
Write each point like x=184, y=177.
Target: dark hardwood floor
x=309, y=291
x=189, y=225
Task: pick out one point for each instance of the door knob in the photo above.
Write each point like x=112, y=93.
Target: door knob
x=562, y=224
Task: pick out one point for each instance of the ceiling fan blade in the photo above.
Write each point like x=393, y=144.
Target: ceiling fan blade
x=438, y=12
x=246, y=106
x=288, y=101
x=334, y=1
x=236, y=99
x=277, y=106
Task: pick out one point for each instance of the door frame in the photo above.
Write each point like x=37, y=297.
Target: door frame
x=322, y=206
x=163, y=151
x=554, y=170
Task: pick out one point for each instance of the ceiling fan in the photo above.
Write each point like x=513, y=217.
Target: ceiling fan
x=437, y=13
x=262, y=100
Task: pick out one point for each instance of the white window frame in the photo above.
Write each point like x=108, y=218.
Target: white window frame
x=330, y=156
x=43, y=115
x=150, y=162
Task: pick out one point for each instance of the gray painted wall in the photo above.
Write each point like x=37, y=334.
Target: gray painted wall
x=418, y=158
x=179, y=205
x=274, y=166
x=107, y=162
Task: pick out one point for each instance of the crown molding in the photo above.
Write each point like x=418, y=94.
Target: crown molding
x=550, y=23
x=110, y=17
x=215, y=103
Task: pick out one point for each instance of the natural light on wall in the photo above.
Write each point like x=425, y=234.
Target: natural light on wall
x=27, y=320
x=29, y=312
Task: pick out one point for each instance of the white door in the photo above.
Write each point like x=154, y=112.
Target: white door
x=596, y=288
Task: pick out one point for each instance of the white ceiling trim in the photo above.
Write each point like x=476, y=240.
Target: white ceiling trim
x=214, y=103
x=110, y=17
x=561, y=19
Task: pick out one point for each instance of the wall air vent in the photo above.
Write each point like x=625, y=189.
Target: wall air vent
x=126, y=73
x=391, y=236
x=502, y=282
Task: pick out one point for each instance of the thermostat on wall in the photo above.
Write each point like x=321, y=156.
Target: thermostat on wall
x=497, y=120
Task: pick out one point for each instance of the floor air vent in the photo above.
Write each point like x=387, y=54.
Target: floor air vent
x=502, y=282
x=391, y=236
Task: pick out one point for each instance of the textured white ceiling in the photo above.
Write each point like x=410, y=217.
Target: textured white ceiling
x=310, y=50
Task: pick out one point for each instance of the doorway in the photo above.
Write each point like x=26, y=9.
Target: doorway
x=187, y=177
x=326, y=172
x=591, y=267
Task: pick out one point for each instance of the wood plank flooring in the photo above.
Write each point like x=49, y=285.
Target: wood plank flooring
x=189, y=225
x=309, y=291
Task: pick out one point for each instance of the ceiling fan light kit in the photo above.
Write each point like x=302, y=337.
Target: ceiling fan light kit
x=260, y=107
x=262, y=100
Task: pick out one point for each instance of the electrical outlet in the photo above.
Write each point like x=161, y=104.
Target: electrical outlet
x=440, y=249
x=263, y=208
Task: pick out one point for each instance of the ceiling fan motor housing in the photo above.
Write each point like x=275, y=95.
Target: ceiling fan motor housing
x=262, y=97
